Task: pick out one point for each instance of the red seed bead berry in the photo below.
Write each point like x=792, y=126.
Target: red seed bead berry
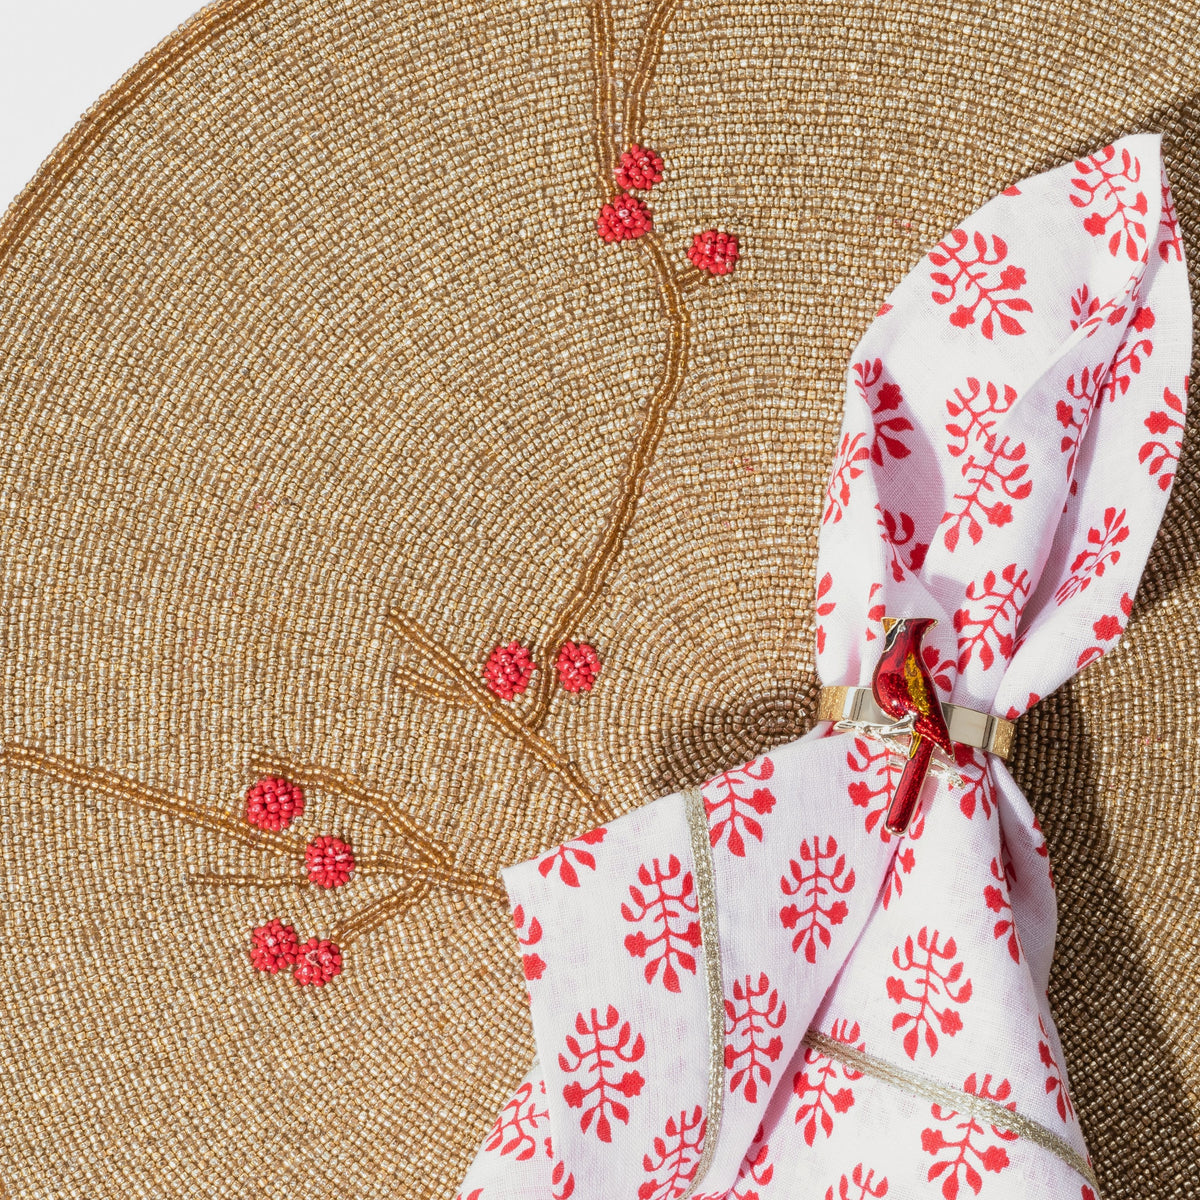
x=273, y=803
x=318, y=963
x=330, y=862
x=624, y=217
x=577, y=665
x=508, y=670
x=639, y=169
x=714, y=251
x=274, y=946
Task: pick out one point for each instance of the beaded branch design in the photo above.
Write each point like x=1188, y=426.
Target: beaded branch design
x=495, y=682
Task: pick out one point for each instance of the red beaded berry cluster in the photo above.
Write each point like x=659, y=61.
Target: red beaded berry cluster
x=626, y=217
x=274, y=803
x=509, y=669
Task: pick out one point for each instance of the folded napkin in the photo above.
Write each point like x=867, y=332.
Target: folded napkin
x=754, y=990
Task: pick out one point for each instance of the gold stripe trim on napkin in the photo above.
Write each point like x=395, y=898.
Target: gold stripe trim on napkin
x=916, y=1084
x=710, y=949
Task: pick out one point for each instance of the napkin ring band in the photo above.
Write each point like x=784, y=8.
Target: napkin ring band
x=968, y=726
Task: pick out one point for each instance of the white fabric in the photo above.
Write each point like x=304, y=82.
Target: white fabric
x=993, y=472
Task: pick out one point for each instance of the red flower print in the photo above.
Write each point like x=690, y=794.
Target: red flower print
x=957, y=1157
x=996, y=898
x=751, y=1019
x=508, y=670
x=998, y=470
x=977, y=785
x=1091, y=563
x=273, y=947
x=858, y=1186
x=714, y=252
x=1088, y=314
x=533, y=965
x=883, y=398
x=1108, y=187
x=573, y=850
x=933, y=977
x=1170, y=244
x=273, y=803
x=1127, y=362
x=676, y=1155
x=577, y=665
x=665, y=914
x=1106, y=629
x=974, y=411
x=991, y=629
x=516, y=1128
x=880, y=770
x=824, y=608
x=562, y=1181
x=731, y=797
x=816, y=1085
x=639, y=169
x=1082, y=390
x=971, y=260
x=899, y=531
x=624, y=217
x=1160, y=456
x=1056, y=1082
x=596, y=1056
x=816, y=879
x=846, y=469
x=318, y=962
x=330, y=862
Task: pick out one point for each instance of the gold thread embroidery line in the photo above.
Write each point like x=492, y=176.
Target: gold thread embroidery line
x=916, y=1084
x=710, y=947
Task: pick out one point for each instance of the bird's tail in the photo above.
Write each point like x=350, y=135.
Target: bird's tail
x=908, y=789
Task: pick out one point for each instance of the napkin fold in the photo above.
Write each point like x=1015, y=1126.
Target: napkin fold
x=752, y=990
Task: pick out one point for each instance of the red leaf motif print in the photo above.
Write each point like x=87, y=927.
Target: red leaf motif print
x=1161, y=453
x=970, y=278
x=977, y=785
x=939, y=668
x=731, y=797
x=664, y=915
x=995, y=896
x=1127, y=362
x=571, y=855
x=991, y=628
x=974, y=410
x=824, y=609
x=562, y=1182
x=1106, y=629
x=752, y=1018
x=875, y=612
x=822, y=1085
x=1094, y=559
x=1056, y=1082
x=858, y=1185
x=477, y=1194
x=1108, y=186
x=852, y=454
x=533, y=965
x=1170, y=244
x=597, y=1058
x=756, y=1171
x=899, y=531
x=816, y=880
x=1088, y=313
x=996, y=470
x=879, y=770
x=516, y=1129
x=930, y=975
x=1083, y=390
x=676, y=1155
x=960, y=1159
x=883, y=397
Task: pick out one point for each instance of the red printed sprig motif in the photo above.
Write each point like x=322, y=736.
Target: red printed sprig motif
x=974, y=410
x=998, y=470
x=1128, y=360
x=899, y=532
x=674, y=1157
x=930, y=984
x=756, y=1171
x=752, y=1042
x=976, y=794
x=604, y=1046
x=970, y=279
x=860, y=1184
x=818, y=880
x=1100, y=553
x=1088, y=313
x=1056, y=1082
x=883, y=397
x=1083, y=390
x=562, y=1182
x=639, y=170
x=824, y=608
x=516, y=1131
x=1161, y=453
x=571, y=855
x=850, y=464
x=876, y=611
x=533, y=965
x=879, y=769
x=1170, y=244
x=1107, y=628
x=663, y=906
x=1108, y=186
x=822, y=1085
x=996, y=897
x=733, y=802
x=960, y=1159
x=274, y=803
x=988, y=624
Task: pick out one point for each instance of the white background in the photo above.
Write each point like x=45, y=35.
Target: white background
x=57, y=57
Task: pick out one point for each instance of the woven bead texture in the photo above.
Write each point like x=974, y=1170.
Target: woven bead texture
x=318, y=386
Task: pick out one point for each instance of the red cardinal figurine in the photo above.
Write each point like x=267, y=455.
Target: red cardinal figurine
x=902, y=687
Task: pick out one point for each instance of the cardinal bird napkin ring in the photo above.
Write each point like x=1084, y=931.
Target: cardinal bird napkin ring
x=824, y=973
